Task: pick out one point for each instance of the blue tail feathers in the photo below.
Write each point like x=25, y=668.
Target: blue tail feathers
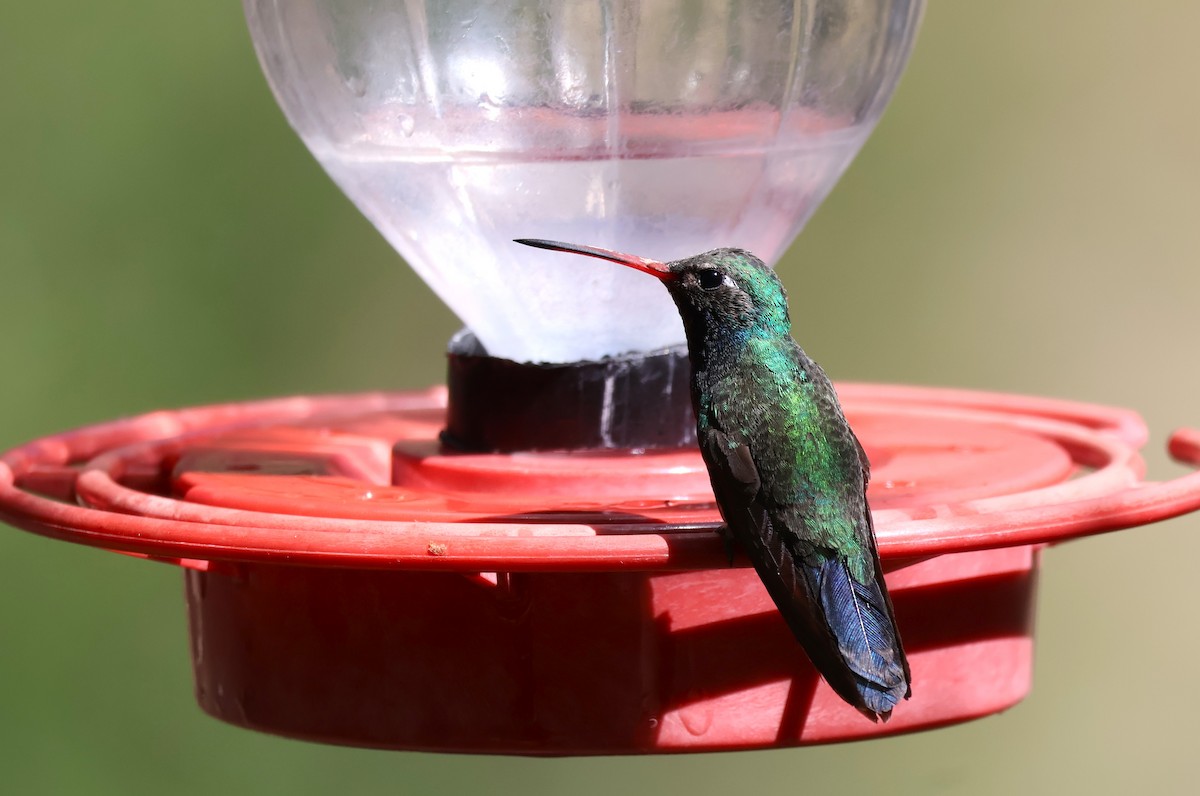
x=860, y=618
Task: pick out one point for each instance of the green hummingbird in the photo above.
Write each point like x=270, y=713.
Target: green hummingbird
x=789, y=475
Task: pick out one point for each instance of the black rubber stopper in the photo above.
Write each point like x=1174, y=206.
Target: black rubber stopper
x=640, y=400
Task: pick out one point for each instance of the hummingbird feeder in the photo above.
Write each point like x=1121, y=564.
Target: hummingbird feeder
x=526, y=561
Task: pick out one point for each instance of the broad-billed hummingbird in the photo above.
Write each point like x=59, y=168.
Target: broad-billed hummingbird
x=788, y=473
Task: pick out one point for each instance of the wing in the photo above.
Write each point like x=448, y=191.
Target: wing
x=846, y=626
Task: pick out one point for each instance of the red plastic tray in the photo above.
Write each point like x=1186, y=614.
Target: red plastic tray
x=351, y=582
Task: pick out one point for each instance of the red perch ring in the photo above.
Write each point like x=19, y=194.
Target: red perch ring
x=350, y=581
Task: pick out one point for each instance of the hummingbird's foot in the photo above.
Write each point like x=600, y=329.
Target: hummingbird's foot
x=730, y=545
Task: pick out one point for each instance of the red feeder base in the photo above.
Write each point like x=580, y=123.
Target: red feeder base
x=584, y=663
x=349, y=582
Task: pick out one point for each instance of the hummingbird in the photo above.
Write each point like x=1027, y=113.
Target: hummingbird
x=788, y=473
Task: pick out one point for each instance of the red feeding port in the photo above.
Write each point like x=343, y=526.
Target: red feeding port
x=350, y=580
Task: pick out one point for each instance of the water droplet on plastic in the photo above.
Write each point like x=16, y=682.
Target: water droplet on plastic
x=690, y=503
x=633, y=505
x=356, y=83
x=696, y=720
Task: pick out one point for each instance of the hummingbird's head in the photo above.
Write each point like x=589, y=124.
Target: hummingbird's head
x=728, y=289
x=720, y=291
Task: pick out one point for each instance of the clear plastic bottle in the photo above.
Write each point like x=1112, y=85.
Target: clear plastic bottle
x=659, y=128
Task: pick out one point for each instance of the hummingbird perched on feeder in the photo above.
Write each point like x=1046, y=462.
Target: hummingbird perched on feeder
x=788, y=473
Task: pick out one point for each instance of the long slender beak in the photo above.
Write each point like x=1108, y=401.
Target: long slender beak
x=652, y=267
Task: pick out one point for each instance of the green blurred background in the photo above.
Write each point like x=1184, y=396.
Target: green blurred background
x=1024, y=219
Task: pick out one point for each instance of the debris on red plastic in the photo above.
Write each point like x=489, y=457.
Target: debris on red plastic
x=351, y=581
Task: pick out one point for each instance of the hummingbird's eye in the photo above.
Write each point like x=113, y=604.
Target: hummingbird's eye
x=709, y=278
